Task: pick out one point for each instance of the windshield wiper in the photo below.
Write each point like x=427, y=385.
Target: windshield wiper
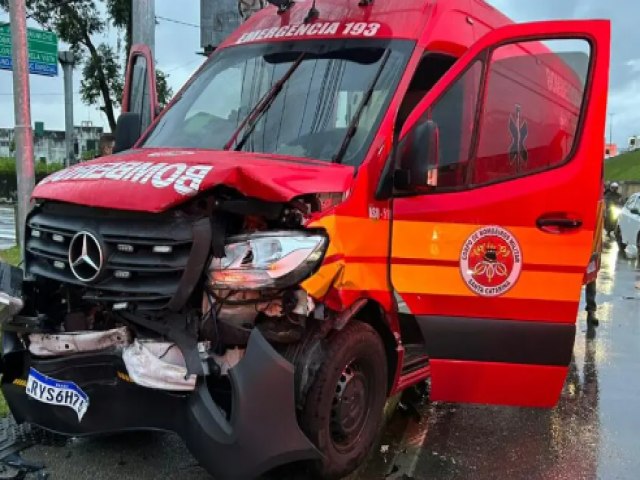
x=353, y=125
x=251, y=120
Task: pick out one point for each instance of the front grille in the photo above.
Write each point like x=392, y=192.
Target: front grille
x=133, y=272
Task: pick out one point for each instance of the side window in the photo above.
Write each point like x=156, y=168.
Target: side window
x=454, y=115
x=432, y=67
x=513, y=112
x=140, y=94
x=531, y=110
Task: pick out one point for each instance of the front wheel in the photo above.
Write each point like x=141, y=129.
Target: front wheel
x=343, y=410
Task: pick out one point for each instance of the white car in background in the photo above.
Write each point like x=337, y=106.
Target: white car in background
x=628, y=229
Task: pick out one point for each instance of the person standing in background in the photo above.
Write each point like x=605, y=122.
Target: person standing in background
x=591, y=274
x=106, y=145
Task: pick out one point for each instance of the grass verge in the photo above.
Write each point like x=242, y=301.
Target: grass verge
x=11, y=255
x=625, y=167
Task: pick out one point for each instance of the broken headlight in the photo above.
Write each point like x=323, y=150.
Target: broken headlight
x=267, y=260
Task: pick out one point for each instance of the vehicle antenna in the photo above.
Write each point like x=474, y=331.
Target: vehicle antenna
x=313, y=13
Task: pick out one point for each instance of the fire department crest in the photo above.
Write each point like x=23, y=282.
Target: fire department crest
x=491, y=261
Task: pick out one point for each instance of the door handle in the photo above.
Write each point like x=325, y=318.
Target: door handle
x=557, y=223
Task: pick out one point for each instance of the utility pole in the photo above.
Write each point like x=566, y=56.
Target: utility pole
x=23, y=132
x=143, y=20
x=611, y=115
x=67, y=60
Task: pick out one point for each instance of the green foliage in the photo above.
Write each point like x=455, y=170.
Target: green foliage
x=108, y=63
x=82, y=24
x=12, y=256
x=8, y=166
x=163, y=90
x=119, y=13
x=89, y=155
x=4, y=408
x=625, y=167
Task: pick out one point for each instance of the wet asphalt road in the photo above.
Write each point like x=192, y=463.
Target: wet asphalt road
x=593, y=433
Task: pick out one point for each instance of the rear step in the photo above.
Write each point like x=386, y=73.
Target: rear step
x=415, y=358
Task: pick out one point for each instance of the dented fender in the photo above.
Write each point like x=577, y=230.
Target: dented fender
x=355, y=266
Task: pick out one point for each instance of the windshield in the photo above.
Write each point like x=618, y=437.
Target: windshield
x=319, y=100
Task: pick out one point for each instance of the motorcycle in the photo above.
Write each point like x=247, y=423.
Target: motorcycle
x=611, y=214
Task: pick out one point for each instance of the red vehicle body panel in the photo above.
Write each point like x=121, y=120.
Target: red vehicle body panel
x=554, y=262
x=140, y=50
x=155, y=180
x=364, y=259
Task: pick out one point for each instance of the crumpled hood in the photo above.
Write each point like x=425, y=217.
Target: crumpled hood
x=154, y=180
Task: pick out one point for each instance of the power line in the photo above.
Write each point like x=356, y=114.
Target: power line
x=39, y=94
x=186, y=65
x=179, y=22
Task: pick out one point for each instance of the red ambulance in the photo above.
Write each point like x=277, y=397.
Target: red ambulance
x=342, y=202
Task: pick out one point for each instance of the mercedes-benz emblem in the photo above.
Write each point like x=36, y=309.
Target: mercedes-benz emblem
x=85, y=257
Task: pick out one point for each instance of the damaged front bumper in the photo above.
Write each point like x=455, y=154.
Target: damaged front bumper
x=260, y=433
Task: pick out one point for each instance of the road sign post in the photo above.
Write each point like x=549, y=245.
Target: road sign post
x=67, y=60
x=22, y=106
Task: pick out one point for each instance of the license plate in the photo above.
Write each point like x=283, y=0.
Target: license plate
x=57, y=392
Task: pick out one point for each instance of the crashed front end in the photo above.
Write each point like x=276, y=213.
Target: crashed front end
x=192, y=320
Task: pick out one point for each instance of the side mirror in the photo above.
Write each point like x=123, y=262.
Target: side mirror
x=634, y=211
x=419, y=158
x=127, y=131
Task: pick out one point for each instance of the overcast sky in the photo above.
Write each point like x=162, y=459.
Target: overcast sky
x=176, y=45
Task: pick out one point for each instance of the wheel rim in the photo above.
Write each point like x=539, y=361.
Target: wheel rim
x=351, y=406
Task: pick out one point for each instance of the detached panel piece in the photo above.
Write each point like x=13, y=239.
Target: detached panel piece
x=262, y=434
x=10, y=291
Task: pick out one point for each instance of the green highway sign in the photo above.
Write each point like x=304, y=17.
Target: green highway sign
x=43, y=51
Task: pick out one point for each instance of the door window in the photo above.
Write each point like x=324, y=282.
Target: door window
x=431, y=69
x=140, y=95
x=531, y=109
x=525, y=119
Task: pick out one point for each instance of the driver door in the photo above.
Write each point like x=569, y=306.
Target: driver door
x=490, y=260
x=140, y=86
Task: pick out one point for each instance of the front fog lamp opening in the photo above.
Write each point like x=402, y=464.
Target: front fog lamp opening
x=274, y=260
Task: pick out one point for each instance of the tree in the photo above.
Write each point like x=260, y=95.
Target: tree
x=79, y=23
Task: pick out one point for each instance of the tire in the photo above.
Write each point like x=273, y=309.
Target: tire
x=355, y=368
x=621, y=246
